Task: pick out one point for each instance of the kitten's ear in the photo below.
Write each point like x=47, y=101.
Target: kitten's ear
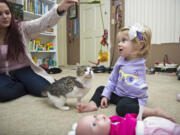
x=77, y=64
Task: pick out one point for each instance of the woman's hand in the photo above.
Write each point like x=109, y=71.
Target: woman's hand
x=104, y=102
x=65, y=4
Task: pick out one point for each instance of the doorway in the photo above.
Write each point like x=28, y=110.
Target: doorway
x=94, y=19
x=73, y=36
x=84, y=32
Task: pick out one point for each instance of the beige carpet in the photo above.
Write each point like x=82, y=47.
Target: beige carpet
x=35, y=116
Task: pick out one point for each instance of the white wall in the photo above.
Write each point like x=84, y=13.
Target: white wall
x=162, y=16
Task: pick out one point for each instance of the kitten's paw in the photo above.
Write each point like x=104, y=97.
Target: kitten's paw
x=65, y=108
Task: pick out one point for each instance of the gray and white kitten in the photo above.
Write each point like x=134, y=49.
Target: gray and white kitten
x=70, y=87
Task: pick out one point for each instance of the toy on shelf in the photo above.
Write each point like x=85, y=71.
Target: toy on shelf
x=51, y=46
x=50, y=30
x=40, y=47
x=37, y=44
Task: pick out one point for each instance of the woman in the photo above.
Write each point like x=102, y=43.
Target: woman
x=18, y=73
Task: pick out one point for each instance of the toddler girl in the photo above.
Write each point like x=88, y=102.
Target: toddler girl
x=127, y=87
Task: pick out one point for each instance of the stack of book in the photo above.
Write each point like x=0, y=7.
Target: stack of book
x=35, y=6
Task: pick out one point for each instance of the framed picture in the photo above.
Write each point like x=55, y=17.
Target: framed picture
x=73, y=12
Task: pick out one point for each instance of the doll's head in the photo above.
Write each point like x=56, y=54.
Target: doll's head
x=137, y=40
x=93, y=125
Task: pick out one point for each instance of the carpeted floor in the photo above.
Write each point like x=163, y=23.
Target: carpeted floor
x=30, y=115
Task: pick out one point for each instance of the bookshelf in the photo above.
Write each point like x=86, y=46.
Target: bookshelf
x=44, y=47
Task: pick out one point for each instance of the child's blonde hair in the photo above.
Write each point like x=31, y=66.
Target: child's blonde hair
x=146, y=39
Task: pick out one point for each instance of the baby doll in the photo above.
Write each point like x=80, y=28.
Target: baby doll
x=128, y=125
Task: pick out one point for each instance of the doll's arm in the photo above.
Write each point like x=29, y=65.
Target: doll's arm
x=139, y=128
x=73, y=131
x=141, y=109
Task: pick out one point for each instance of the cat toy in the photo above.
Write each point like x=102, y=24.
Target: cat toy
x=102, y=55
x=91, y=2
x=104, y=38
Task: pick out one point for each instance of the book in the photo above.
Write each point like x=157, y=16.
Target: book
x=17, y=10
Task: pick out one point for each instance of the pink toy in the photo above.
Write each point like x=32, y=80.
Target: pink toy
x=178, y=97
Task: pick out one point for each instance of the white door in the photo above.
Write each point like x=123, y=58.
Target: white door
x=91, y=30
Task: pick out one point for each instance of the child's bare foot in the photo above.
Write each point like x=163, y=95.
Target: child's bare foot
x=91, y=106
x=159, y=112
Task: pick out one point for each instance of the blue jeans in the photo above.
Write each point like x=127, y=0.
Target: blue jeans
x=20, y=82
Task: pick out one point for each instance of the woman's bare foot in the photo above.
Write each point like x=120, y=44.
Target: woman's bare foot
x=89, y=107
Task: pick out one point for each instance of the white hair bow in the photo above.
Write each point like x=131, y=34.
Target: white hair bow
x=135, y=30
x=73, y=131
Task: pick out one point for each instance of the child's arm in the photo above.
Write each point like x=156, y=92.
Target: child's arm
x=112, y=82
x=104, y=102
x=141, y=109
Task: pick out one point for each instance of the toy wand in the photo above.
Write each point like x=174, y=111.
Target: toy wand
x=91, y=2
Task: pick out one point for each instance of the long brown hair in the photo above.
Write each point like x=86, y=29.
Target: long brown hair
x=13, y=37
